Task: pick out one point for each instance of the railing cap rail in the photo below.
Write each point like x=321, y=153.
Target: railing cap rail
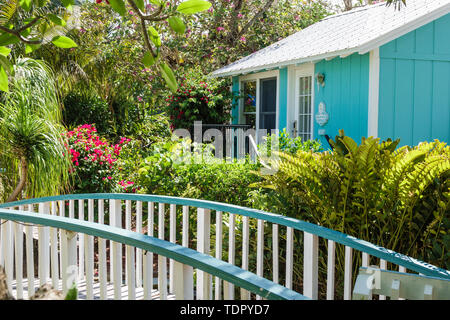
x=336, y=236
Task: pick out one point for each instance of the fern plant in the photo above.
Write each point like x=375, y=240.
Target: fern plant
x=397, y=198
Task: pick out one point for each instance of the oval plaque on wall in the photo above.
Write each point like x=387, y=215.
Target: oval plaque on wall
x=322, y=115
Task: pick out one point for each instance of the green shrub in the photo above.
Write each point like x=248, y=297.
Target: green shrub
x=81, y=108
x=395, y=198
x=288, y=144
x=217, y=180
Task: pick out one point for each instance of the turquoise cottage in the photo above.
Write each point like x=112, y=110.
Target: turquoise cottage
x=372, y=71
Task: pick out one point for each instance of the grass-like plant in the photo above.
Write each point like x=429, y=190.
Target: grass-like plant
x=33, y=157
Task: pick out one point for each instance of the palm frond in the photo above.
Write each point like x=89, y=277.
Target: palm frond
x=7, y=10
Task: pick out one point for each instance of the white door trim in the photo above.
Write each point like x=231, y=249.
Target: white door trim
x=306, y=70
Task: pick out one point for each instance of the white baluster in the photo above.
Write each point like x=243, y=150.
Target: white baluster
x=102, y=268
x=289, y=256
x=331, y=269
x=203, y=246
x=18, y=233
x=148, y=257
x=69, y=261
x=54, y=259
x=30, y=255
x=348, y=273
x=71, y=209
x=81, y=241
x=162, y=261
x=228, y=288
x=219, y=229
x=89, y=254
x=365, y=259
x=139, y=251
x=275, y=253
x=172, y=238
x=62, y=213
x=43, y=247
x=383, y=264
x=8, y=252
x=260, y=251
x=245, y=295
x=130, y=270
x=311, y=266
x=115, y=220
x=185, y=231
x=184, y=283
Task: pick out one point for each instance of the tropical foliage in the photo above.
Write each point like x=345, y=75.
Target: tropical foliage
x=32, y=148
x=37, y=24
x=396, y=198
x=199, y=99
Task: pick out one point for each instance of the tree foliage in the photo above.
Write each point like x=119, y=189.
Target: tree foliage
x=33, y=23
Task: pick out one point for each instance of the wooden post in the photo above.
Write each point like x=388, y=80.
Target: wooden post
x=184, y=284
x=311, y=265
x=69, y=253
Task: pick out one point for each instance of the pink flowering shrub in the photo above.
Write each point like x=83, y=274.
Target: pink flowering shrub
x=95, y=161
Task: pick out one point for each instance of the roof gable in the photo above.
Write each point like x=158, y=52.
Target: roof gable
x=359, y=30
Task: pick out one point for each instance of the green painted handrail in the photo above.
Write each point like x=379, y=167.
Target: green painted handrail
x=338, y=237
x=225, y=271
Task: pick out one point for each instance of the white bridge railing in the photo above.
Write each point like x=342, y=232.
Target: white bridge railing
x=110, y=265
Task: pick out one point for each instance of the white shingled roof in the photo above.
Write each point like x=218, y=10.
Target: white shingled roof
x=359, y=30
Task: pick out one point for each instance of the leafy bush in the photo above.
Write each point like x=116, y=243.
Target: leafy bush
x=288, y=144
x=395, y=198
x=81, y=108
x=163, y=173
x=199, y=99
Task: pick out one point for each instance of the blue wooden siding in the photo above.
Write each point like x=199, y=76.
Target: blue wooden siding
x=414, y=102
x=283, y=99
x=345, y=96
x=235, y=104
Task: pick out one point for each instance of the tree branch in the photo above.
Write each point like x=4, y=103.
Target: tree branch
x=151, y=17
x=18, y=35
x=146, y=39
x=256, y=16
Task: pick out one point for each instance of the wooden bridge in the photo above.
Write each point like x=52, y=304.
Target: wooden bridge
x=128, y=246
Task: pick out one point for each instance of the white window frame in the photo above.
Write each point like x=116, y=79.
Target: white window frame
x=258, y=77
x=300, y=73
x=242, y=114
